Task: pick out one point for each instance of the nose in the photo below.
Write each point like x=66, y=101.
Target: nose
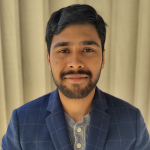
x=75, y=62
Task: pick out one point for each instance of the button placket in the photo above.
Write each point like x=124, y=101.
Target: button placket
x=78, y=141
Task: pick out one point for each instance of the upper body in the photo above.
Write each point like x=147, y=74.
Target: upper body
x=75, y=38
x=41, y=124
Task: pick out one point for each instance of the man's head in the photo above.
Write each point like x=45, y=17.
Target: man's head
x=74, y=14
x=75, y=38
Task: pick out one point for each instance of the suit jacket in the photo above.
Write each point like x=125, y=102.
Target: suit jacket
x=41, y=125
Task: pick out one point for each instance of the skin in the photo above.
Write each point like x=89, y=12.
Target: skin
x=76, y=55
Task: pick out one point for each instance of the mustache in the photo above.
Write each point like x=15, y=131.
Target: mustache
x=75, y=72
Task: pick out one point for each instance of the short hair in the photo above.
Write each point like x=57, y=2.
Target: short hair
x=74, y=14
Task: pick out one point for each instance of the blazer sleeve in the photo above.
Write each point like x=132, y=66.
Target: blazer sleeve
x=142, y=135
x=11, y=139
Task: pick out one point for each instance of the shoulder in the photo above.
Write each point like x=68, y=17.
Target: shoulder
x=114, y=102
x=120, y=110
x=38, y=103
x=33, y=112
x=127, y=122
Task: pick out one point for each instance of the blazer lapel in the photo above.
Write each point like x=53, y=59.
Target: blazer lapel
x=99, y=123
x=56, y=123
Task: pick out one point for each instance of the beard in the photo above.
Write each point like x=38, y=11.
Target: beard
x=76, y=92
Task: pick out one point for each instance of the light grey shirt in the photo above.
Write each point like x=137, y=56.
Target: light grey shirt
x=78, y=132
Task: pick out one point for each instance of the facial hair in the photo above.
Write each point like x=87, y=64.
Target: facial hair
x=76, y=92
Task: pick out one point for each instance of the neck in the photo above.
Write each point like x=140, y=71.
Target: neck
x=77, y=108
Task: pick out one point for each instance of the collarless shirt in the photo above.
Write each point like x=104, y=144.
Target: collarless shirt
x=78, y=132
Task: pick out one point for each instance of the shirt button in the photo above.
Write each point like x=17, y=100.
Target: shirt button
x=79, y=129
x=79, y=145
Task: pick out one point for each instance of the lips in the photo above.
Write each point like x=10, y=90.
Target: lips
x=77, y=76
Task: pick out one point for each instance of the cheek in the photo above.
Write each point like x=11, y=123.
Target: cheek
x=95, y=63
x=56, y=63
x=57, y=67
x=95, y=66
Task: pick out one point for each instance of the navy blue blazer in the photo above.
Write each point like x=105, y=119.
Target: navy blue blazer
x=41, y=125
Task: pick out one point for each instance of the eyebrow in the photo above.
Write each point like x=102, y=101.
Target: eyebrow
x=69, y=43
x=61, y=44
x=90, y=43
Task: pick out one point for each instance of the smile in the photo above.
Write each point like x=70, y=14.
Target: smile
x=76, y=79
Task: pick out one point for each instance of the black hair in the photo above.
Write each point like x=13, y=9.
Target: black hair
x=74, y=14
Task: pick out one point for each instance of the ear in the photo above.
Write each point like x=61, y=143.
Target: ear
x=103, y=59
x=48, y=60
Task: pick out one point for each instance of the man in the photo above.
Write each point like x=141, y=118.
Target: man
x=77, y=115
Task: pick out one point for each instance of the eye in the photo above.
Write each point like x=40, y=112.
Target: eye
x=64, y=51
x=88, y=50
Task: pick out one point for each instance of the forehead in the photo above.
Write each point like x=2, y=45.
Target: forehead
x=76, y=34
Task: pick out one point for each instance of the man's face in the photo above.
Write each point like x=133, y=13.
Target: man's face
x=76, y=60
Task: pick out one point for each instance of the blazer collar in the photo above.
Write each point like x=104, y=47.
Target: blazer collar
x=54, y=104
x=99, y=122
x=99, y=101
x=98, y=127
x=56, y=123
